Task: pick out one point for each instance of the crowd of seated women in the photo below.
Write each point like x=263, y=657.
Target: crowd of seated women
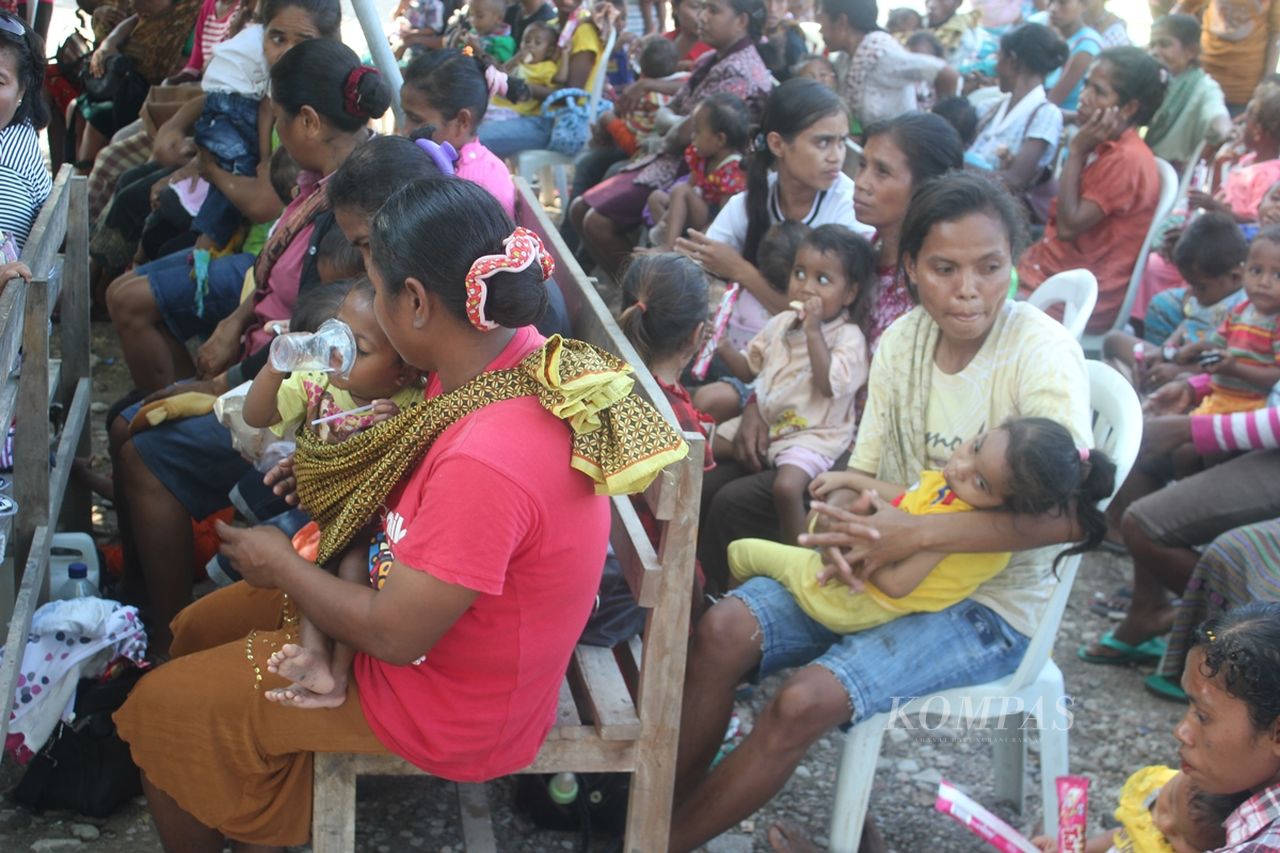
x=819, y=234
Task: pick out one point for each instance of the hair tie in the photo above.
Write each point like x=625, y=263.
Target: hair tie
x=351, y=91
x=441, y=153
x=522, y=248
x=1213, y=638
x=1084, y=454
x=643, y=308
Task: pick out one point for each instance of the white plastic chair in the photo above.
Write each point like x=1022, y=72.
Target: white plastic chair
x=1076, y=290
x=1169, y=184
x=530, y=163
x=1037, y=683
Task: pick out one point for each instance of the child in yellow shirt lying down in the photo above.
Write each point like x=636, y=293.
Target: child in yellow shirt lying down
x=1026, y=465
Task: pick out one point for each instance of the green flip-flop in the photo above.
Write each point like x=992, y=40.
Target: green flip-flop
x=1164, y=688
x=1148, y=651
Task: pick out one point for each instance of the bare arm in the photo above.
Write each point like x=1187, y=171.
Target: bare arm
x=1075, y=215
x=266, y=123
x=902, y=578
x=1024, y=168
x=819, y=352
x=877, y=534
x=1072, y=73
x=1260, y=376
x=252, y=196
x=260, y=407
x=735, y=360
x=398, y=624
x=580, y=65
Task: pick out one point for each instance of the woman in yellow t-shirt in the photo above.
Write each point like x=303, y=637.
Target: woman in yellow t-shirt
x=580, y=38
x=1027, y=465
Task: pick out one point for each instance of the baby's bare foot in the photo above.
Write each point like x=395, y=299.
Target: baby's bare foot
x=298, y=696
x=304, y=666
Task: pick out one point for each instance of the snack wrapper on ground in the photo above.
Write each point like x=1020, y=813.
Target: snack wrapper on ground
x=978, y=820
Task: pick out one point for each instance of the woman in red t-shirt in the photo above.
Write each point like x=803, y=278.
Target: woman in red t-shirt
x=495, y=548
x=1109, y=188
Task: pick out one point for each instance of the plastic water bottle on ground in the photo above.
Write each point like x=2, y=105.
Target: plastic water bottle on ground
x=330, y=349
x=78, y=584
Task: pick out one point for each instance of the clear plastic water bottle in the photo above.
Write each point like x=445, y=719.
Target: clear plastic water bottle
x=563, y=788
x=77, y=584
x=331, y=349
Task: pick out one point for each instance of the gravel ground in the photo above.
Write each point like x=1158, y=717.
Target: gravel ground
x=1117, y=728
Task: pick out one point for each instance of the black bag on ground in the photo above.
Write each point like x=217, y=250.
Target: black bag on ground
x=85, y=766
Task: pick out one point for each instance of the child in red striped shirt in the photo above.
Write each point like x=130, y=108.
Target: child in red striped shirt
x=1243, y=356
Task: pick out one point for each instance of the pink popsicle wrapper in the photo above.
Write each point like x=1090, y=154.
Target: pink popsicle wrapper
x=1073, y=813
x=981, y=822
x=718, y=324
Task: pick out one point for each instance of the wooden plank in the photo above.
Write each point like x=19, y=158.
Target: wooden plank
x=612, y=711
x=477, y=823
x=333, y=803
x=50, y=227
x=31, y=440
x=33, y=578
x=666, y=641
x=566, y=708
x=531, y=214
x=574, y=756
x=75, y=339
x=634, y=552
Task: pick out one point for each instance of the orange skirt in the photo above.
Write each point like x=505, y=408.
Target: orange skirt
x=203, y=732
x=1222, y=401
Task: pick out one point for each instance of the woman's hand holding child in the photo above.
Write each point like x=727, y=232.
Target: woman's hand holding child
x=256, y=552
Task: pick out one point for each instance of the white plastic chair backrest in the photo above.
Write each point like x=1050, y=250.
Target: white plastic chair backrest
x=1168, y=197
x=599, y=74
x=852, y=158
x=1188, y=170
x=1117, y=430
x=1077, y=290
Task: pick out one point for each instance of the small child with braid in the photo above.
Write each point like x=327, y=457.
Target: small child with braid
x=665, y=321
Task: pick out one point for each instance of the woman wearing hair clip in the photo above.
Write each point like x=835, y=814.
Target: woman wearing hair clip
x=462, y=639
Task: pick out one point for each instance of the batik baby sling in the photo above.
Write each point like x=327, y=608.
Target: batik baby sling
x=619, y=440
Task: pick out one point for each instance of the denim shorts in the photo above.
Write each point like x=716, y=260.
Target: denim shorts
x=174, y=291
x=915, y=655
x=193, y=458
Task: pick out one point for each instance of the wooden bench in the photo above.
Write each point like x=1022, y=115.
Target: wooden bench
x=41, y=489
x=619, y=709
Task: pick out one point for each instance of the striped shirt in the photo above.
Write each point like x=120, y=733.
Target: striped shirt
x=1253, y=338
x=211, y=31
x=24, y=181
